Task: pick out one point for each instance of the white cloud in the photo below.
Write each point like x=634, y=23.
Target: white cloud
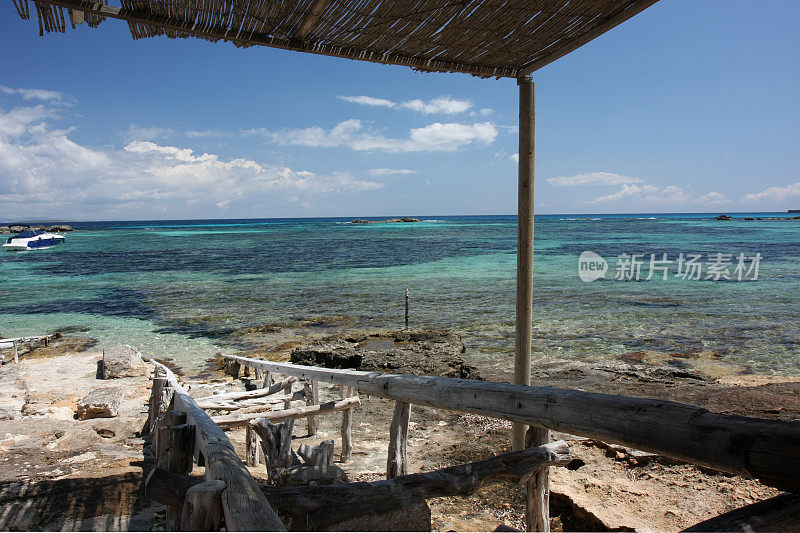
x=673, y=193
x=33, y=94
x=43, y=172
x=390, y=171
x=443, y=104
x=368, y=100
x=207, y=133
x=775, y=194
x=352, y=134
x=713, y=197
x=593, y=178
x=514, y=158
x=627, y=191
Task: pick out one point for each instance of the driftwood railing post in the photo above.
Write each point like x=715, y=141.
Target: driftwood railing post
x=537, y=488
x=347, y=430
x=397, y=461
x=171, y=456
x=16, y=355
x=312, y=398
x=253, y=455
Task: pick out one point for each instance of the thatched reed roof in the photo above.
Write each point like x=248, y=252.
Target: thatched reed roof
x=501, y=38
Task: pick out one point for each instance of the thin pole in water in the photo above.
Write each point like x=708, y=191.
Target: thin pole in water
x=406, y=308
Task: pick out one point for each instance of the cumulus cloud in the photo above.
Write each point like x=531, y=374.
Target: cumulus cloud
x=33, y=94
x=353, y=134
x=514, y=158
x=713, y=197
x=627, y=191
x=43, y=171
x=593, y=178
x=775, y=194
x=444, y=104
x=390, y=171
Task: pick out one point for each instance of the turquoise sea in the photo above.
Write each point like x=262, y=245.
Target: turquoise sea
x=186, y=289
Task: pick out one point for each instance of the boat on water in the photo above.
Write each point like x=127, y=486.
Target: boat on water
x=33, y=239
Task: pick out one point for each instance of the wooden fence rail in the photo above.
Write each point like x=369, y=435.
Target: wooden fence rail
x=768, y=450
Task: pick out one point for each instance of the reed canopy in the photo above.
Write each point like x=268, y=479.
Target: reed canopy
x=485, y=38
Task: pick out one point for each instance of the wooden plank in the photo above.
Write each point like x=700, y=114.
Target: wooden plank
x=524, y=305
x=537, y=488
x=244, y=506
x=768, y=450
x=239, y=420
x=397, y=460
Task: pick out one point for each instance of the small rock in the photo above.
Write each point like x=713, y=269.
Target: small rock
x=620, y=456
x=122, y=361
x=100, y=403
x=58, y=433
x=104, y=432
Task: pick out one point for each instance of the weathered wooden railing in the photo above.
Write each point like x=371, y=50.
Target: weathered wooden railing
x=768, y=450
x=182, y=434
x=16, y=342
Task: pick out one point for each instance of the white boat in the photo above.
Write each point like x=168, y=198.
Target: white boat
x=34, y=239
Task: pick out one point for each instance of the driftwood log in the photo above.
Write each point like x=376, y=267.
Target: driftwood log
x=239, y=420
x=314, y=507
x=228, y=405
x=537, y=488
x=248, y=395
x=768, y=450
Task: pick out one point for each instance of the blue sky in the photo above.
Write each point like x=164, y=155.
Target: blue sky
x=690, y=106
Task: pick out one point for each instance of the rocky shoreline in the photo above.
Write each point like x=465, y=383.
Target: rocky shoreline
x=98, y=463
x=388, y=221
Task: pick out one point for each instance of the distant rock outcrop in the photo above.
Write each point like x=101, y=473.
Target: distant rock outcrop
x=724, y=217
x=388, y=221
x=19, y=228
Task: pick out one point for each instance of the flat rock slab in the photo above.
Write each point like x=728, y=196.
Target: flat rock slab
x=100, y=403
x=122, y=361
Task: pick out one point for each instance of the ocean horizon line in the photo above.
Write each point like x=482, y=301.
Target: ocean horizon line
x=671, y=214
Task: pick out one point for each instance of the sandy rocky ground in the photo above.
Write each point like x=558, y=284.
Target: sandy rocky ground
x=58, y=473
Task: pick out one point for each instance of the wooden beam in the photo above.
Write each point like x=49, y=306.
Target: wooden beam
x=202, y=510
x=250, y=394
x=524, y=308
x=347, y=428
x=768, y=450
x=310, y=19
x=635, y=7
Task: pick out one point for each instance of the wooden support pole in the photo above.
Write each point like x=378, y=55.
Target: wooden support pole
x=16, y=355
x=524, y=321
x=202, y=509
x=312, y=398
x=347, y=429
x=537, y=488
x=276, y=441
x=397, y=461
x=155, y=403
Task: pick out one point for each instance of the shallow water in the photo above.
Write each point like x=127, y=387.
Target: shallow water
x=185, y=289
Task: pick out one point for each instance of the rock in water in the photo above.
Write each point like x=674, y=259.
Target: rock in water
x=122, y=361
x=100, y=403
x=424, y=352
